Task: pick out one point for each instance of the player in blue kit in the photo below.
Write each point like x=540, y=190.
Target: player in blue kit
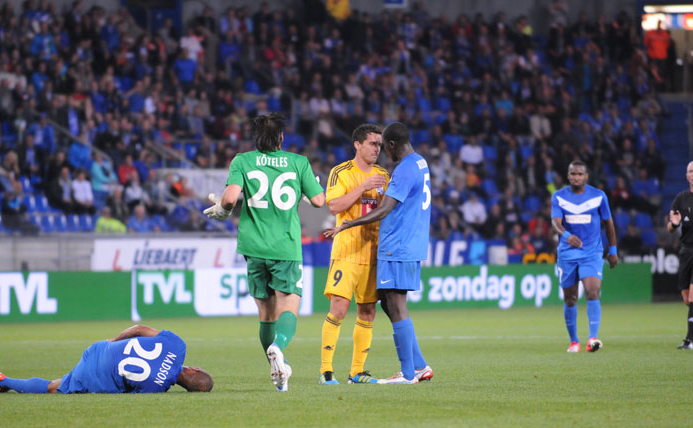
x=577, y=212
x=139, y=360
x=405, y=212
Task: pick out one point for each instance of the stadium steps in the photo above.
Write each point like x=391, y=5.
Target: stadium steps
x=676, y=150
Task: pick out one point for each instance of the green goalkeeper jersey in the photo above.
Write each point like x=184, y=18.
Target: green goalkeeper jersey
x=272, y=184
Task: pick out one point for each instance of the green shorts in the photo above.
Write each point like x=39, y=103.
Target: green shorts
x=265, y=276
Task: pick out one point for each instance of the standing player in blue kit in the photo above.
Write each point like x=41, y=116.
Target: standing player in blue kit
x=405, y=212
x=577, y=212
x=140, y=359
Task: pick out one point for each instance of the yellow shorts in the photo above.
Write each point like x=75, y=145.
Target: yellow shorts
x=345, y=279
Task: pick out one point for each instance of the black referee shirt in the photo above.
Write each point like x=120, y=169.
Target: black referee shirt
x=683, y=203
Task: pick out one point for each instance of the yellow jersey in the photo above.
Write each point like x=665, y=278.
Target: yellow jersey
x=357, y=244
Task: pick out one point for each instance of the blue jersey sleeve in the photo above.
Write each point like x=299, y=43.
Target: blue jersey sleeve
x=604, y=210
x=400, y=184
x=555, y=209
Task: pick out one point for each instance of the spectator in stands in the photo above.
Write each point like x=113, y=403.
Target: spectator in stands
x=126, y=170
x=107, y=224
x=102, y=179
x=631, y=243
x=31, y=158
x=474, y=212
x=119, y=208
x=140, y=223
x=59, y=191
x=82, y=194
x=135, y=195
x=471, y=153
x=9, y=171
x=657, y=43
x=13, y=212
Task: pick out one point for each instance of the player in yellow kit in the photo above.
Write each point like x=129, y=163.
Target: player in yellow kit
x=354, y=188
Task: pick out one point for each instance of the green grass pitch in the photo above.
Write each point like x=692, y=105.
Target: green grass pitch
x=492, y=368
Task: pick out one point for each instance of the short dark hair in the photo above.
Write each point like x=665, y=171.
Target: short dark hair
x=397, y=132
x=267, y=131
x=361, y=132
x=578, y=163
x=199, y=381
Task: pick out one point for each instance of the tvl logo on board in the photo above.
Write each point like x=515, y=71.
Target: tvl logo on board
x=28, y=292
x=203, y=292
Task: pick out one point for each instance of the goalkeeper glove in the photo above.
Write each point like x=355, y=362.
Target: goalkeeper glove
x=305, y=198
x=216, y=211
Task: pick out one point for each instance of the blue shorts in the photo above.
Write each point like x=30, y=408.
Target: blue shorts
x=570, y=271
x=394, y=275
x=93, y=373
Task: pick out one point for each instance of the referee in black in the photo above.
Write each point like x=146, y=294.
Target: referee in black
x=681, y=214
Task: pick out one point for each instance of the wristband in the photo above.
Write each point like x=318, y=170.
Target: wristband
x=674, y=225
x=613, y=251
x=566, y=234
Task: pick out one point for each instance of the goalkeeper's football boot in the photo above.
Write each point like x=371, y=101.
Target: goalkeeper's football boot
x=686, y=344
x=327, y=378
x=593, y=345
x=399, y=379
x=363, y=377
x=425, y=373
x=278, y=370
x=574, y=347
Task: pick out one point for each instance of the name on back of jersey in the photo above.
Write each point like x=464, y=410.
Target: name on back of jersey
x=278, y=162
x=578, y=218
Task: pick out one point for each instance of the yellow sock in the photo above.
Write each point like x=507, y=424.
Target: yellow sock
x=330, y=334
x=363, y=336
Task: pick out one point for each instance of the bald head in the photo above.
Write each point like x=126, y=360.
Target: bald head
x=194, y=379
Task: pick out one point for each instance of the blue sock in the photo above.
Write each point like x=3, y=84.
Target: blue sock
x=570, y=314
x=34, y=385
x=404, y=335
x=419, y=362
x=594, y=316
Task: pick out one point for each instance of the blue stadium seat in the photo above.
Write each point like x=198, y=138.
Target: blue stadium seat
x=46, y=223
x=72, y=223
x=532, y=204
x=642, y=221
x=30, y=203
x=273, y=104
x=252, y=87
x=454, y=142
x=621, y=219
x=489, y=187
x=424, y=105
x=59, y=223
x=190, y=150
x=8, y=137
x=490, y=168
x=526, y=152
x=443, y=104
x=421, y=136
x=649, y=237
x=340, y=153
x=42, y=205
x=86, y=223
x=27, y=185
x=490, y=153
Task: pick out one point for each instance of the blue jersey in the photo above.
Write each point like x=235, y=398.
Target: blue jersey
x=138, y=364
x=582, y=214
x=404, y=232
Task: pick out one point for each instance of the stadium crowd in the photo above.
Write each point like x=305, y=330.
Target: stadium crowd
x=89, y=101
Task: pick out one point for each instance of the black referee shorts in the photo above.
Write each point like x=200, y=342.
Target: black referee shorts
x=685, y=276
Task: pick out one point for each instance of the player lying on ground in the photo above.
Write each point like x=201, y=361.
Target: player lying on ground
x=139, y=359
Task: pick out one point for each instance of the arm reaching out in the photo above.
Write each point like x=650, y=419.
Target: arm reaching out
x=136, y=330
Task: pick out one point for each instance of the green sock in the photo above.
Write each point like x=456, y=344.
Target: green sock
x=285, y=328
x=266, y=333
